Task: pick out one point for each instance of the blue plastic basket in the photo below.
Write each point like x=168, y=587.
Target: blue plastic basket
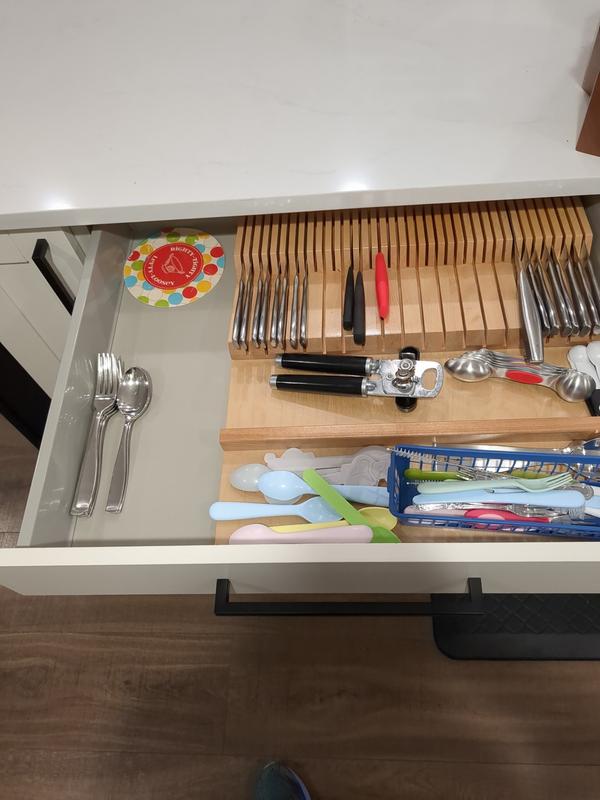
x=402, y=490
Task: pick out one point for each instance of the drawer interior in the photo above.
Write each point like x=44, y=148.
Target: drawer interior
x=211, y=413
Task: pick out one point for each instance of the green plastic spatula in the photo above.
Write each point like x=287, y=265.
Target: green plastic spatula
x=343, y=507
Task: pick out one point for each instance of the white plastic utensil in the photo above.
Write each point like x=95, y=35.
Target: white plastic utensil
x=245, y=478
x=313, y=510
x=284, y=486
x=578, y=358
x=593, y=352
x=296, y=460
x=261, y=534
x=564, y=498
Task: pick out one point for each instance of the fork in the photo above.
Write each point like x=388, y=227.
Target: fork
x=108, y=374
x=541, y=484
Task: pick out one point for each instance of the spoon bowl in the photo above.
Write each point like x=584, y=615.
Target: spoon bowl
x=245, y=478
x=133, y=398
x=282, y=486
x=469, y=368
x=574, y=385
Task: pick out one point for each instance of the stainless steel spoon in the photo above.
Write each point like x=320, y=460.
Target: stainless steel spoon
x=133, y=398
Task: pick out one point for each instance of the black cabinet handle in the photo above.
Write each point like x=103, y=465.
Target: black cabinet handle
x=42, y=259
x=470, y=603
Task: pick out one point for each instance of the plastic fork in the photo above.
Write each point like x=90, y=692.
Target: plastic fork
x=109, y=372
x=478, y=479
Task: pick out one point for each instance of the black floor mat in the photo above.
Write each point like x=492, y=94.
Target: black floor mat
x=539, y=627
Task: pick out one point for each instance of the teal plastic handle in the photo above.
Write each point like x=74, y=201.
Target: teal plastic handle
x=367, y=495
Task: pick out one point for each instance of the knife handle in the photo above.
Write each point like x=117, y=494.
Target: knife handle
x=382, y=286
x=340, y=365
x=359, y=311
x=348, y=313
x=319, y=384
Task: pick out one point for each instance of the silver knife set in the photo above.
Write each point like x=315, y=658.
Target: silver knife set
x=270, y=324
x=556, y=299
x=130, y=394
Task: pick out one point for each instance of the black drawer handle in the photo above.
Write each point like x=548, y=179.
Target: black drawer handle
x=42, y=259
x=470, y=603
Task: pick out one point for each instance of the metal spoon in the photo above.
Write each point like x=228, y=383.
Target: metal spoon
x=133, y=398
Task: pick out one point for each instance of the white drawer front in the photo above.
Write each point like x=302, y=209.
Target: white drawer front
x=32, y=295
x=9, y=251
x=64, y=250
x=25, y=344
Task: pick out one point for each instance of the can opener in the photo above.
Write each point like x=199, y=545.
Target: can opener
x=357, y=375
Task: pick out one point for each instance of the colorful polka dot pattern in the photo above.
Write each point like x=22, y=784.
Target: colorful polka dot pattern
x=189, y=265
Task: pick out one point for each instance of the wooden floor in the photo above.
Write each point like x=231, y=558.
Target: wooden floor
x=152, y=698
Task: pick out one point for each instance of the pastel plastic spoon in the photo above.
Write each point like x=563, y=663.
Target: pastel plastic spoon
x=261, y=534
x=281, y=485
x=313, y=510
x=343, y=507
x=375, y=514
x=245, y=478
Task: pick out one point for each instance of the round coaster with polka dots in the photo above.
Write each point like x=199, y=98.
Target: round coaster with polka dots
x=174, y=268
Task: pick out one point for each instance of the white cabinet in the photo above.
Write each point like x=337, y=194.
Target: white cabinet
x=162, y=541
x=34, y=321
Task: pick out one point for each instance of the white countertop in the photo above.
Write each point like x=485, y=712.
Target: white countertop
x=126, y=110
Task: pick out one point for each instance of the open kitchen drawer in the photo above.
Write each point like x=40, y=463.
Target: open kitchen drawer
x=163, y=542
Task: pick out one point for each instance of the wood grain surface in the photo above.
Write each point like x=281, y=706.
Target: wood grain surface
x=154, y=697
x=17, y=462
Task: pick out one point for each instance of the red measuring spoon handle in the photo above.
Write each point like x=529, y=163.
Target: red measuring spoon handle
x=382, y=286
x=522, y=377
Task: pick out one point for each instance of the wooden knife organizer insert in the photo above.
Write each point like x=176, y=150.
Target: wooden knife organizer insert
x=451, y=268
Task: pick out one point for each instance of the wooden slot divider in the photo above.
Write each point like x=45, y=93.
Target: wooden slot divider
x=469, y=237
x=497, y=233
x=440, y=238
x=489, y=243
x=430, y=237
x=402, y=227
x=454, y=326
x=584, y=222
x=332, y=314
x=451, y=270
x=478, y=237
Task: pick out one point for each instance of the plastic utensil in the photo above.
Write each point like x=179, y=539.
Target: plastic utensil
x=382, y=287
x=296, y=460
x=375, y=514
x=578, y=358
x=475, y=513
x=313, y=510
x=593, y=352
x=245, y=478
x=497, y=513
x=289, y=487
x=414, y=474
x=261, y=534
x=526, y=484
x=343, y=507
x=557, y=499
